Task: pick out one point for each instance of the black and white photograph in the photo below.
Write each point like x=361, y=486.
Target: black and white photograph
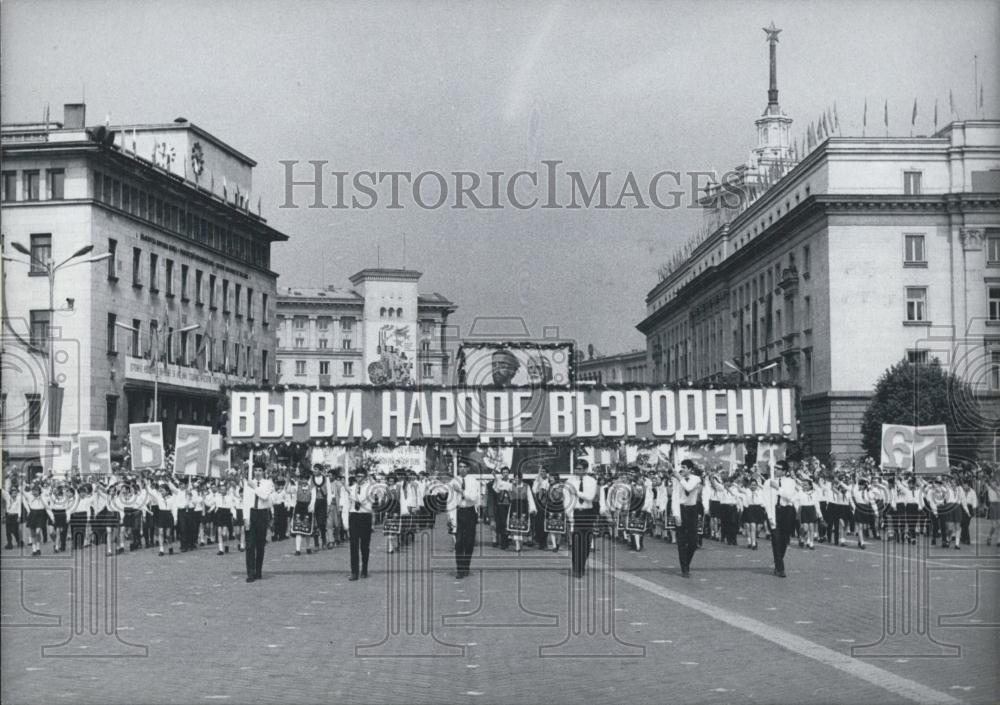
x=459, y=351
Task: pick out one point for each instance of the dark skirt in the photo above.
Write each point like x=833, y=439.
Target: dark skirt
x=715, y=509
x=754, y=514
x=106, y=519
x=807, y=514
x=239, y=516
x=164, y=519
x=994, y=513
x=37, y=519
x=224, y=518
x=951, y=513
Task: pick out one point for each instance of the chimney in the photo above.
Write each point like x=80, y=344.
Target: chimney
x=74, y=116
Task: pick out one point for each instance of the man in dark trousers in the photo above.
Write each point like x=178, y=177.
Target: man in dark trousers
x=469, y=497
x=685, y=502
x=356, y=514
x=584, y=515
x=781, y=513
x=256, y=515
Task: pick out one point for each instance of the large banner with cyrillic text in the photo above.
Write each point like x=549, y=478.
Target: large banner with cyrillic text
x=520, y=415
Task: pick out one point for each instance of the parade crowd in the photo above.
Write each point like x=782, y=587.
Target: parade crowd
x=321, y=509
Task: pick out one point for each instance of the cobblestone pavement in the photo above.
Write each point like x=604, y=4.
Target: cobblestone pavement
x=187, y=628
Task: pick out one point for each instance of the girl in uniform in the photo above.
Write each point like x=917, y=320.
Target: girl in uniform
x=754, y=515
x=39, y=512
x=809, y=512
x=522, y=510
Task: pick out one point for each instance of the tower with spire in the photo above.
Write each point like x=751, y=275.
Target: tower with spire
x=773, y=154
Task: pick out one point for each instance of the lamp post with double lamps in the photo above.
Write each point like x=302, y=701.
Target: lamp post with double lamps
x=50, y=267
x=747, y=375
x=156, y=361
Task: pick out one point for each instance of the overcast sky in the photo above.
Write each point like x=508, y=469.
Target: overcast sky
x=448, y=86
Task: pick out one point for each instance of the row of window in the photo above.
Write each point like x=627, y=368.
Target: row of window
x=181, y=218
x=31, y=185
x=348, y=368
x=237, y=299
x=186, y=348
x=323, y=323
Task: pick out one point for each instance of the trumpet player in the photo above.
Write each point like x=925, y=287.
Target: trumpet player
x=684, y=505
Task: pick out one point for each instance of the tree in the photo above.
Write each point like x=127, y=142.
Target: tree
x=916, y=394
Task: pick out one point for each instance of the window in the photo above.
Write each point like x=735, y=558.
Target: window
x=806, y=261
x=425, y=345
x=265, y=374
x=300, y=368
x=994, y=302
x=183, y=359
x=300, y=342
x=324, y=343
x=249, y=303
x=916, y=304
x=170, y=344
x=426, y=327
x=112, y=334
x=238, y=299
x=170, y=277
x=281, y=366
x=995, y=370
x=225, y=296
x=807, y=312
x=348, y=369
x=113, y=260
x=34, y=402
x=917, y=357
x=184, y=282
x=298, y=323
x=10, y=186
x=211, y=292
x=41, y=253
x=913, y=250
x=911, y=183
x=111, y=412
x=153, y=274
x=993, y=249
x=324, y=367
x=136, y=327
x=428, y=370
x=31, y=185
x=346, y=324
x=39, y=334
x=154, y=339
x=198, y=301
x=263, y=308
x=345, y=344
x=56, y=182
x=323, y=323
x=137, y=267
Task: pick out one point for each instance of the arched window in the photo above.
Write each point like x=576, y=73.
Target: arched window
x=399, y=313
x=382, y=312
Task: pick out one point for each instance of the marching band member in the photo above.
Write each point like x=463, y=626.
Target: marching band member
x=305, y=504
x=60, y=522
x=13, y=513
x=38, y=509
x=356, y=513
x=660, y=505
x=540, y=489
x=781, y=510
x=522, y=511
x=684, y=504
x=639, y=509
x=809, y=512
x=555, y=513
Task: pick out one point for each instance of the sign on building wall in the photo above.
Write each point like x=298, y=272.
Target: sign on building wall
x=392, y=354
x=469, y=415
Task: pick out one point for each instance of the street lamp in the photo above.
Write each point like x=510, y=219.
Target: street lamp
x=156, y=361
x=50, y=268
x=748, y=375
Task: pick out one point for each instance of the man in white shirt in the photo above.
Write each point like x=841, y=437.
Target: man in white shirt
x=356, y=515
x=781, y=512
x=469, y=494
x=684, y=506
x=584, y=515
x=256, y=514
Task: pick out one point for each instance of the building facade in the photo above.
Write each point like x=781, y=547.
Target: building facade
x=180, y=301
x=828, y=270
x=380, y=331
x=623, y=368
